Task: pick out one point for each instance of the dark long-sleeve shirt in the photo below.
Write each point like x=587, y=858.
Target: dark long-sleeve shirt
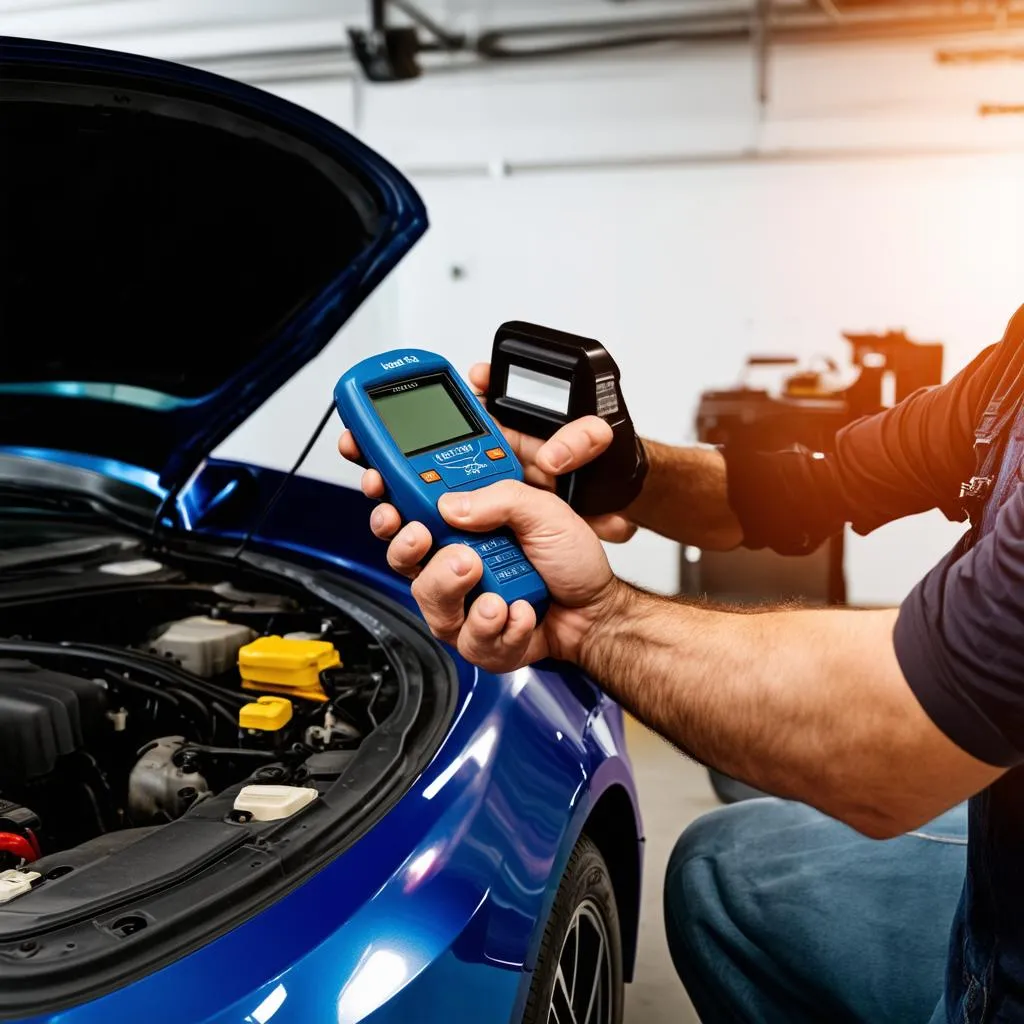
x=959, y=636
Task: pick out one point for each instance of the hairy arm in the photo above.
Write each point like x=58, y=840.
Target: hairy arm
x=880, y=719
x=810, y=705
x=686, y=498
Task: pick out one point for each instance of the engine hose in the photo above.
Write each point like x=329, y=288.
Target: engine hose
x=195, y=703
x=173, y=675
x=133, y=684
x=174, y=698
x=225, y=714
x=20, y=846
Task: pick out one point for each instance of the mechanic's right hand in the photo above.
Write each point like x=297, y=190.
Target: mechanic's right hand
x=491, y=633
x=570, y=447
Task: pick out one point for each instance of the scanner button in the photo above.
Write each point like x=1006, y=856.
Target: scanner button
x=485, y=547
x=496, y=453
x=512, y=572
x=431, y=476
x=510, y=554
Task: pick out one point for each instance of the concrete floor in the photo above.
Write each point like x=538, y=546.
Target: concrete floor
x=673, y=791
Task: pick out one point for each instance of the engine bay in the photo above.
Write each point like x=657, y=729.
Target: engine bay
x=128, y=707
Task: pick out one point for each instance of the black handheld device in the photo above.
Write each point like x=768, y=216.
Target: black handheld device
x=541, y=379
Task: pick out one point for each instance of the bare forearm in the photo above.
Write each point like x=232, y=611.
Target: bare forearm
x=809, y=705
x=685, y=498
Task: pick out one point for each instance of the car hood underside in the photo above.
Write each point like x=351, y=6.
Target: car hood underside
x=176, y=246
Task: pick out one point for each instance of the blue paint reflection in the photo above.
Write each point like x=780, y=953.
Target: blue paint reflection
x=480, y=751
x=377, y=978
x=268, y=1007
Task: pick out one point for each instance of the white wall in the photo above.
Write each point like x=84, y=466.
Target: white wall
x=649, y=201
x=650, y=205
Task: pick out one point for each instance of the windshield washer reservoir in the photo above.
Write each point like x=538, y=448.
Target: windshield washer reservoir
x=270, y=803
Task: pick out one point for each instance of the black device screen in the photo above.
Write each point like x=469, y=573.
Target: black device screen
x=424, y=413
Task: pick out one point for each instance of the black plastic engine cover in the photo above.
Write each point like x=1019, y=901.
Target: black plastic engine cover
x=44, y=715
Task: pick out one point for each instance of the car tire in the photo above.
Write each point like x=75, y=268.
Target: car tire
x=580, y=957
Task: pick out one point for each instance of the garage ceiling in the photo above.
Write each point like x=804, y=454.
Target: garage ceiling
x=315, y=31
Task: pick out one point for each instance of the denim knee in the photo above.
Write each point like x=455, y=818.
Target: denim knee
x=691, y=896
x=709, y=918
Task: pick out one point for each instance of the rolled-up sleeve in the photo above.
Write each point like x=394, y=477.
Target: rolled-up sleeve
x=959, y=639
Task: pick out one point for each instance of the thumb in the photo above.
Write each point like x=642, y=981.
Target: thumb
x=559, y=544
x=527, y=510
x=480, y=377
x=574, y=445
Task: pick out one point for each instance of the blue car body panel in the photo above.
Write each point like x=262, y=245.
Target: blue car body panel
x=437, y=912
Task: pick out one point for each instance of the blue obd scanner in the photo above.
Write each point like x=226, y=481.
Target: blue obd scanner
x=420, y=426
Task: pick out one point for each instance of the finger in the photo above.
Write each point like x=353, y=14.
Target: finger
x=495, y=636
x=410, y=546
x=372, y=484
x=385, y=521
x=574, y=445
x=522, y=621
x=613, y=528
x=524, y=446
x=480, y=377
x=484, y=622
x=440, y=589
x=348, y=447
x=535, y=478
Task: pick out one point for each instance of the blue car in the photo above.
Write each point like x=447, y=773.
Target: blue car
x=239, y=780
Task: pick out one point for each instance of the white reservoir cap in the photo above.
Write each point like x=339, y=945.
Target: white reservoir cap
x=14, y=883
x=269, y=803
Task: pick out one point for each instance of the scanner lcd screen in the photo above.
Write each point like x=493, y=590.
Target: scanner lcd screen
x=538, y=389
x=423, y=417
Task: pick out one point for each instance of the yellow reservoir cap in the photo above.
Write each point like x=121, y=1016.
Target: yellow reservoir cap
x=267, y=714
x=292, y=666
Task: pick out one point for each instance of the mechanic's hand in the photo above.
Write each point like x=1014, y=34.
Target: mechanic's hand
x=570, y=447
x=562, y=548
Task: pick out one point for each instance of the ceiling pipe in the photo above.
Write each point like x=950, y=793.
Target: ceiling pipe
x=791, y=23
x=819, y=21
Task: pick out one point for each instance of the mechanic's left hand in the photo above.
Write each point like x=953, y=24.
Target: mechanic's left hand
x=563, y=549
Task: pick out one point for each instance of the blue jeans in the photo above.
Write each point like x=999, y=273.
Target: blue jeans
x=778, y=915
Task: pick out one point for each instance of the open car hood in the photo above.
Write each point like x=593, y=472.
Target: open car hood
x=176, y=246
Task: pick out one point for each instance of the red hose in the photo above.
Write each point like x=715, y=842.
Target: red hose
x=20, y=846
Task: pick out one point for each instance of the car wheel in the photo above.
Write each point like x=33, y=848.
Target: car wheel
x=578, y=977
